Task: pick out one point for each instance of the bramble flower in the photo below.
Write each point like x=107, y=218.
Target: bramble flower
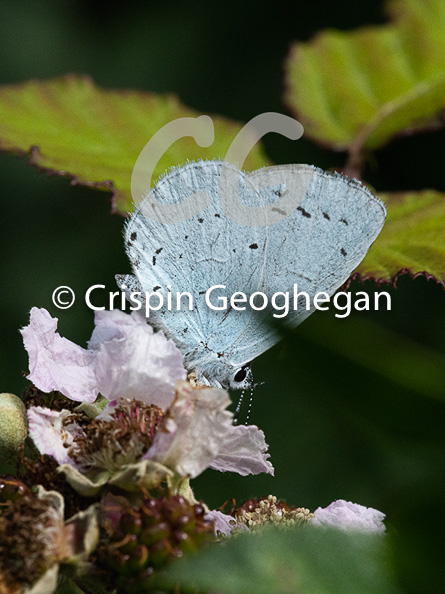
x=132, y=444
x=105, y=449
x=346, y=516
x=34, y=539
x=125, y=359
x=257, y=513
x=223, y=523
x=198, y=433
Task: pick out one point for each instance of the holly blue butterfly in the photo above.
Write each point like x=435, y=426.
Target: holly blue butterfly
x=315, y=242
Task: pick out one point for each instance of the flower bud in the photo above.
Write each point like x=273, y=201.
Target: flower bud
x=13, y=424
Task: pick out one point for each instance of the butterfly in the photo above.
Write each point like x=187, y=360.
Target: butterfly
x=291, y=224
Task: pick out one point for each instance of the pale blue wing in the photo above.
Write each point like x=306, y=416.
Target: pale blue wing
x=317, y=246
x=193, y=255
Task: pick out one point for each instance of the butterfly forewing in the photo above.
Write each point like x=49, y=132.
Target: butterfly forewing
x=316, y=245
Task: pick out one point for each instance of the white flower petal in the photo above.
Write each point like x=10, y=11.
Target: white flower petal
x=222, y=522
x=194, y=430
x=346, y=515
x=57, y=363
x=49, y=433
x=133, y=361
x=46, y=584
x=243, y=451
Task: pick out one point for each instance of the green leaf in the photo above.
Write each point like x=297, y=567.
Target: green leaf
x=67, y=586
x=357, y=89
x=412, y=239
x=277, y=561
x=72, y=128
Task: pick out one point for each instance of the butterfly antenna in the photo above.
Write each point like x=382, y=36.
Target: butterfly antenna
x=250, y=406
x=238, y=407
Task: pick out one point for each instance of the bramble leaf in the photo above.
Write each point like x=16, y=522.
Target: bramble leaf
x=303, y=560
x=73, y=128
x=412, y=239
x=354, y=90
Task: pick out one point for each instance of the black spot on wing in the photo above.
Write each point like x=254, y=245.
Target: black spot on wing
x=343, y=252
x=344, y=221
x=156, y=288
x=253, y=246
x=200, y=220
x=326, y=216
x=304, y=212
x=218, y=216
x=154, y=260
x=159, y=250
x=133, y=236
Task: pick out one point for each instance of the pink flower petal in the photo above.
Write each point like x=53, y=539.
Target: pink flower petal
x=133, y=361
x=243, y=451
x=349, y=516
x=57, y=363
x=223, y=523
x=194, y=430
x=50, y=434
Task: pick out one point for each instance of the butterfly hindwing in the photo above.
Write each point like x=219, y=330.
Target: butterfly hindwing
x=316, y=245
x=196, y=254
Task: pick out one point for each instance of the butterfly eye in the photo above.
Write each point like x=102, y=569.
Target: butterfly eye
x=240, y=375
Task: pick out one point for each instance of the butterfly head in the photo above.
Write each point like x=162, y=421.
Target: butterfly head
x=240, y=378
x=225, y=375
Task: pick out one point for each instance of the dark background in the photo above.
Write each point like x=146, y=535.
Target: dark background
x=352, y=408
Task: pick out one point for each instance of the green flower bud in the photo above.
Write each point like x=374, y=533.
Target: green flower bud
x=13, y=424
